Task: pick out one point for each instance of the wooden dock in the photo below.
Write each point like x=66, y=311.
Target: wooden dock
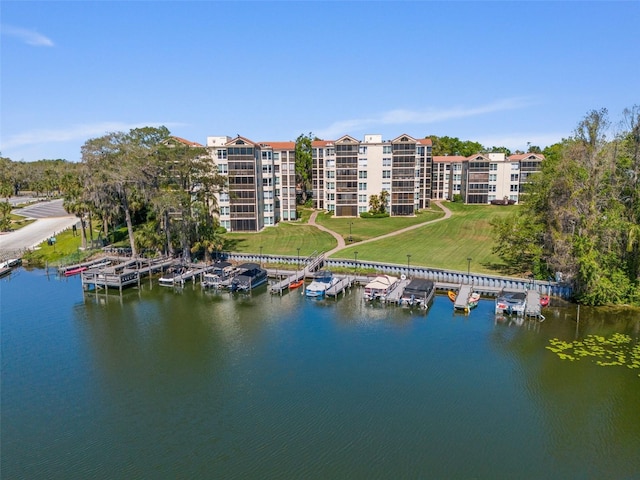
x=395, y=295
x=532, y=307
x=313, y=263
x=462, y=299
x=124, y=274
x=340, y=287
x=193, y=272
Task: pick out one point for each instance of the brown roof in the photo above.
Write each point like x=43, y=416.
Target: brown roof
x=449, y=158
x=186, y=142
x=280, y=145
x=522, y=156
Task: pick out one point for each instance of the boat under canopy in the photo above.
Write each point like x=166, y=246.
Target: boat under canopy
x=419, y=293
x=379, y=287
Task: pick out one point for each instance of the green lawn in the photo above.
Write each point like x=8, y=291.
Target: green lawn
x=283, y=239
x=446, y=244
x=18, y=221
x=64, y=252
x=365, y=228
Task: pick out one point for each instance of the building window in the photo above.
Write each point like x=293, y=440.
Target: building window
x=222, y=154
x=514, y=177
x=386, y=186
x=386, y=149
x=362, y=150
x=362, y=198
x=331, y=174
x=386, y=162
x=493, y=177
x=331, y=185
x=513, y=188
x=362, y=174
x=386, y=174
x=362, y=186
x=223, y=169
x=493, y=167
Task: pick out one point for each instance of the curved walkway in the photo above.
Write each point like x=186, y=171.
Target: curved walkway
x=342, y=244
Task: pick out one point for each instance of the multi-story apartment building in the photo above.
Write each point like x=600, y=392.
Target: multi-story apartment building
x=261, y=182
x=346, y=172
x=481, y=178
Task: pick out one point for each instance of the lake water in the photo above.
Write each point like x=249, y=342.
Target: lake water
x=163, y=383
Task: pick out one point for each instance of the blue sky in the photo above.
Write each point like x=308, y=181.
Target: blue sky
x=501, y=73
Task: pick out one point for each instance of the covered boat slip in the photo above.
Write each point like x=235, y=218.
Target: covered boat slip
x=512, y=302
x=418, y=292
x=381, y=287
x=248, y=277
x=219, y=276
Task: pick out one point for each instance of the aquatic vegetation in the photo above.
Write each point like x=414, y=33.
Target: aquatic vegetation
x=619, y=349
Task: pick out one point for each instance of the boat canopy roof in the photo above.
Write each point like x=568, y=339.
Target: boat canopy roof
x=382, y=282
x=419, y=286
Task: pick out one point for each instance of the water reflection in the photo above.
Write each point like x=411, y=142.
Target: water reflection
x=190, y=383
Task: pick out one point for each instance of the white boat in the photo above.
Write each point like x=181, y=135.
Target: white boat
x=173, y=276
x=219, y=276
x=12, y=262
x=322, y=281
x=511, y=302
x=380, y=287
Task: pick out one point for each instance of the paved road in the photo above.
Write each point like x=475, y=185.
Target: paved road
x=51, y=219
x=49, y=209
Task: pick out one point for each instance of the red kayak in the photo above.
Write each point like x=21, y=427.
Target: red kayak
x=544, y=300
x=296, y=284
x=74, y=271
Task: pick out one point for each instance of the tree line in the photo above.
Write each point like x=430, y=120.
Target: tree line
x=144, y=178
x=580, y=221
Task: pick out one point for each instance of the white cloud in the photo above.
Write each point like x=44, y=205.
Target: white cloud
x=75, y=132
x=432, y=115
x=29, y=37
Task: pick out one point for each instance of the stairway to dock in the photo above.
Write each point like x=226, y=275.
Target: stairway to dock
x=313, y=263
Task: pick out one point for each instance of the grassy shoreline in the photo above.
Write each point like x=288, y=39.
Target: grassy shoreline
x=444, y=244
